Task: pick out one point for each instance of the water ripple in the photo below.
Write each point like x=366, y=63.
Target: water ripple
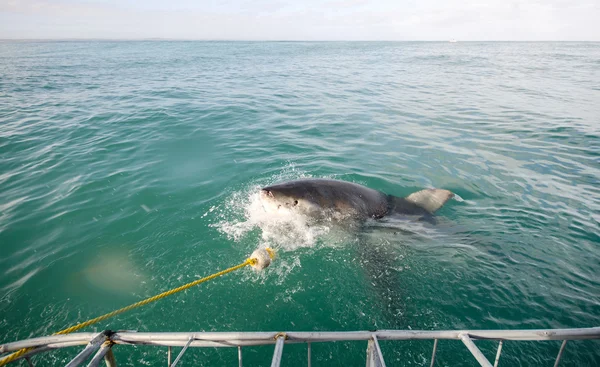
x=122, y=147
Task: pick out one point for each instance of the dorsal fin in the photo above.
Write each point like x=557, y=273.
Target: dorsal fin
x=430, y=199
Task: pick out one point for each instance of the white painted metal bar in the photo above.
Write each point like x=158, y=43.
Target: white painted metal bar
x=42, y=349
x=261, y=338
x=238, y=337
x=370, y=353
x=182, y=352
x=240, y=364
x=200, y=343
x=498, y=354
x=309, y=354
x=99, y=356
x=475, y=351
x=92, y=346
x=560, y=352
x=169, y=356
x=435, y=341
x=109, y=359
x=378, y=348
x=278, y=351
x=376, y=359
x=82, y=338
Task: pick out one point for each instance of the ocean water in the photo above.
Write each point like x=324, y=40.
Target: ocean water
x=129, y=168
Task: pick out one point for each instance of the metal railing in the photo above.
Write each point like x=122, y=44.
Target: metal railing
x=99, y=344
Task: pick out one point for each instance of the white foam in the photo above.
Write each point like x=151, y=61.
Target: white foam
x=243, y=213
x=458, y=198
x=286, y=230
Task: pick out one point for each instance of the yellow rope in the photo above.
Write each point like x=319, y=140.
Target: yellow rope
x=250, y=261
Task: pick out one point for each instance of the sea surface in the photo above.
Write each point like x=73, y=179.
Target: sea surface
x=129, y=168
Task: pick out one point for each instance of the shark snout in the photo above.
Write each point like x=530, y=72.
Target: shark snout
x=266, y=193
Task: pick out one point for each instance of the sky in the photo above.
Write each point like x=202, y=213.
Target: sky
x=402, y=20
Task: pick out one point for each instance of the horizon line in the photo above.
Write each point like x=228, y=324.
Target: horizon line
x=270, y=40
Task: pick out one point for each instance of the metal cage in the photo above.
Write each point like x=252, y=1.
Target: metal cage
x=99, y=344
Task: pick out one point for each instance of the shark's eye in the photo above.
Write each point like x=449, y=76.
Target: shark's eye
x=295, y=202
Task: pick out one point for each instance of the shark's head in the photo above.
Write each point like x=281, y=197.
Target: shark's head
x=288, y=198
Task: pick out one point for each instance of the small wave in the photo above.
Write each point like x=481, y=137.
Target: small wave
x=19, y=282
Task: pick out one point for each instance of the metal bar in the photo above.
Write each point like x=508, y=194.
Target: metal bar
x=29, y=362
x=109, y=359
x=498, y=354
x=181, y=353
x=99, y=356
x=44, y=340
x=278, y=351
x=92, y=346
x=156, y=338
x=370, y=358
x=196, y=343
x=475, y=351
x=378, y=349
x=169, y=356
x=220, y=341
x=547, y=334
x=374, y=355
x=240, y=356
x=435, y=341
x=560, y=352
x=376, y=358
x=309, y=354
x=48, y=347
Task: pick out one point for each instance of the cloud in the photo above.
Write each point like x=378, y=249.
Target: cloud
x=310, y=20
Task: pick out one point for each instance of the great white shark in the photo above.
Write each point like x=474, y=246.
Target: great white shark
x=340, y=200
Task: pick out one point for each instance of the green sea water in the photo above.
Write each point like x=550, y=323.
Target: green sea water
x=129, y=168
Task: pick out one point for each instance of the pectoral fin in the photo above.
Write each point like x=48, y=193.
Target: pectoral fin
x=430, y=199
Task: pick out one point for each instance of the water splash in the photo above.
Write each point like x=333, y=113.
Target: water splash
x=242, y=213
